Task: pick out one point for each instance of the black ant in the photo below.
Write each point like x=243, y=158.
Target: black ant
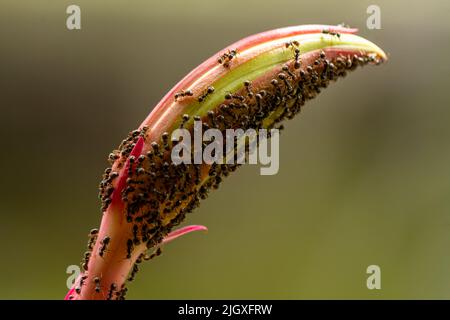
x=112, y=176
x=141, y=158
x=111, y=291
x=225, y=58
x=104, y=243
x=248, y=88
x=129, y=248
x=135, y=235
x=121, y=294
x=322, y=55
x=165, y=140
x=87, y=255
x=297, y=58
x=283, y=78
x=230, y=96
x=183, y=93
x=97, y=284
x=331, y=33
x=133, y=272
x=165, y=137
x=155, y=147
x=209, y=90
x=154, y=254
x=285, y=68
x=293, y=43
x=92, y=238
x=184, y=119
x=83, y=278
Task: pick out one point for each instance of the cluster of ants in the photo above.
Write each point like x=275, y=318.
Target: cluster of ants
x=225, y=60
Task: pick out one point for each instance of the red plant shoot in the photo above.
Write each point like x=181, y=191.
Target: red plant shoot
x=254, y=83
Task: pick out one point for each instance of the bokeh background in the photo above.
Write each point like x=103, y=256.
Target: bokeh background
x=364, y=175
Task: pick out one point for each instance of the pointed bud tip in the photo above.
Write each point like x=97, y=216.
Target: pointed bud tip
x=182, y=231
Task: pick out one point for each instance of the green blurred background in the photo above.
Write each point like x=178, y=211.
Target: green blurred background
x=364, y=171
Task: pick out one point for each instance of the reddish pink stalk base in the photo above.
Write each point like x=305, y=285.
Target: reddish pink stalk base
x=72, y=294
x=114, y=267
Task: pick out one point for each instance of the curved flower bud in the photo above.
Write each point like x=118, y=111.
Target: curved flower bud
x=255, y=83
